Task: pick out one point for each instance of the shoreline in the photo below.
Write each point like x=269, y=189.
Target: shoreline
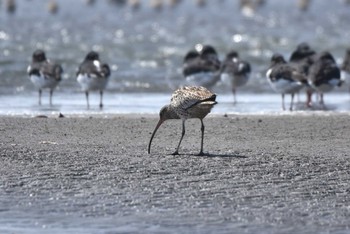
x=58, y=114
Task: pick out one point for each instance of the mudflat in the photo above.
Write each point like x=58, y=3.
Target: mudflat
x=261, y=174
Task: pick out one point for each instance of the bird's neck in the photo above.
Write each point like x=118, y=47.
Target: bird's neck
x=171, y=113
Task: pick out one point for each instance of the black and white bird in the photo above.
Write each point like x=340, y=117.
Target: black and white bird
x=284, y=78
x=324, y=74
x=201, y=67
x=93, y=75
x=345, y=68
x=302, y=58
x=43, y=73
x=235, y=71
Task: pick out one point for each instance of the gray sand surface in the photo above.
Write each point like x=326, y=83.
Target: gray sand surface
x=263, y=174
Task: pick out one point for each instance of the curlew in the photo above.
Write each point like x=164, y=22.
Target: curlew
x=43, y=73
x=186, y=103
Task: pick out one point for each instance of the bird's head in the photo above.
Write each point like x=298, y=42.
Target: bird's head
x=91, y=56
x=164, y=114
x=277, y=59
x=192, y=54
x=39, y=56
x=232, y=55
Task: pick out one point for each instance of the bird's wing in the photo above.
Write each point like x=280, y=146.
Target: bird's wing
x=190, y=96
x=90, y=68
x=51, y=70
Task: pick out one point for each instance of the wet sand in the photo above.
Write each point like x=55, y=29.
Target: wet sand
x=263, y=174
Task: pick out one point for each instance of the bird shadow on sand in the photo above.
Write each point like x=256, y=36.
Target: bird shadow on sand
x=215, y=155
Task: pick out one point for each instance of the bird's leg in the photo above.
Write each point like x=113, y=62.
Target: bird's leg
x=40, y=96
x=87, y=99
x=234, y=95
x=51, y=92
x=322, y=101
x=202, y=130
x=308, y=98
x=101, y=96
x=291, y=102
x=182, y=136
x=298, y=96
x=283, y=107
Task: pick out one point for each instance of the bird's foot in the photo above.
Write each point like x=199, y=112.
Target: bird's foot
x=201, y=154
x=175, y=153
x=101, y=106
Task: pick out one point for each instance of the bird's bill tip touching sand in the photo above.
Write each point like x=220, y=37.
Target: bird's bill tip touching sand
x=154, y=132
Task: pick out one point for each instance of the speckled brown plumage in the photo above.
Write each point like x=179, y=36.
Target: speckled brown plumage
x=187, y=102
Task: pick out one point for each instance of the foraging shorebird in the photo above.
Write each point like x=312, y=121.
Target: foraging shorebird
x=345, y=68
x=93, y=75
x=236, y=71
x=324, y=74
x=201, y=67
x=187, y=102
x=284, y=78
x=44, y=74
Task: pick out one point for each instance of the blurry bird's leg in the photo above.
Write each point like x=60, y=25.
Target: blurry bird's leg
x=87, y=99
x=291, y=102
x=101, y=97
x=51, y=92
x=39, y=96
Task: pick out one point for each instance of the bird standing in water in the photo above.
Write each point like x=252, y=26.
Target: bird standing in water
x=92, y=75
x=284, y=78
x=235, y=71
x=324, y=74
x=345, y=68
x=201, y=67
x=187, y=102
x=43, y=73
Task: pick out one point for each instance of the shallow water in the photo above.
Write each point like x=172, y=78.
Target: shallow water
x=150, y=103
x=145, y=47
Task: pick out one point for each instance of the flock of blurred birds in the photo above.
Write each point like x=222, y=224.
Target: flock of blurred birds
x=317, y=73
x=247, y=6
x=305, y=69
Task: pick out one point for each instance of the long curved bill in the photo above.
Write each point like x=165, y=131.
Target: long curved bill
x=154, y=132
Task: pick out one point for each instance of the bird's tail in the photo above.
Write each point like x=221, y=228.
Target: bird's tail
x=207, y=101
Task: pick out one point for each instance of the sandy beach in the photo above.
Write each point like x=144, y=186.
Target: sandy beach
x=262, y=174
